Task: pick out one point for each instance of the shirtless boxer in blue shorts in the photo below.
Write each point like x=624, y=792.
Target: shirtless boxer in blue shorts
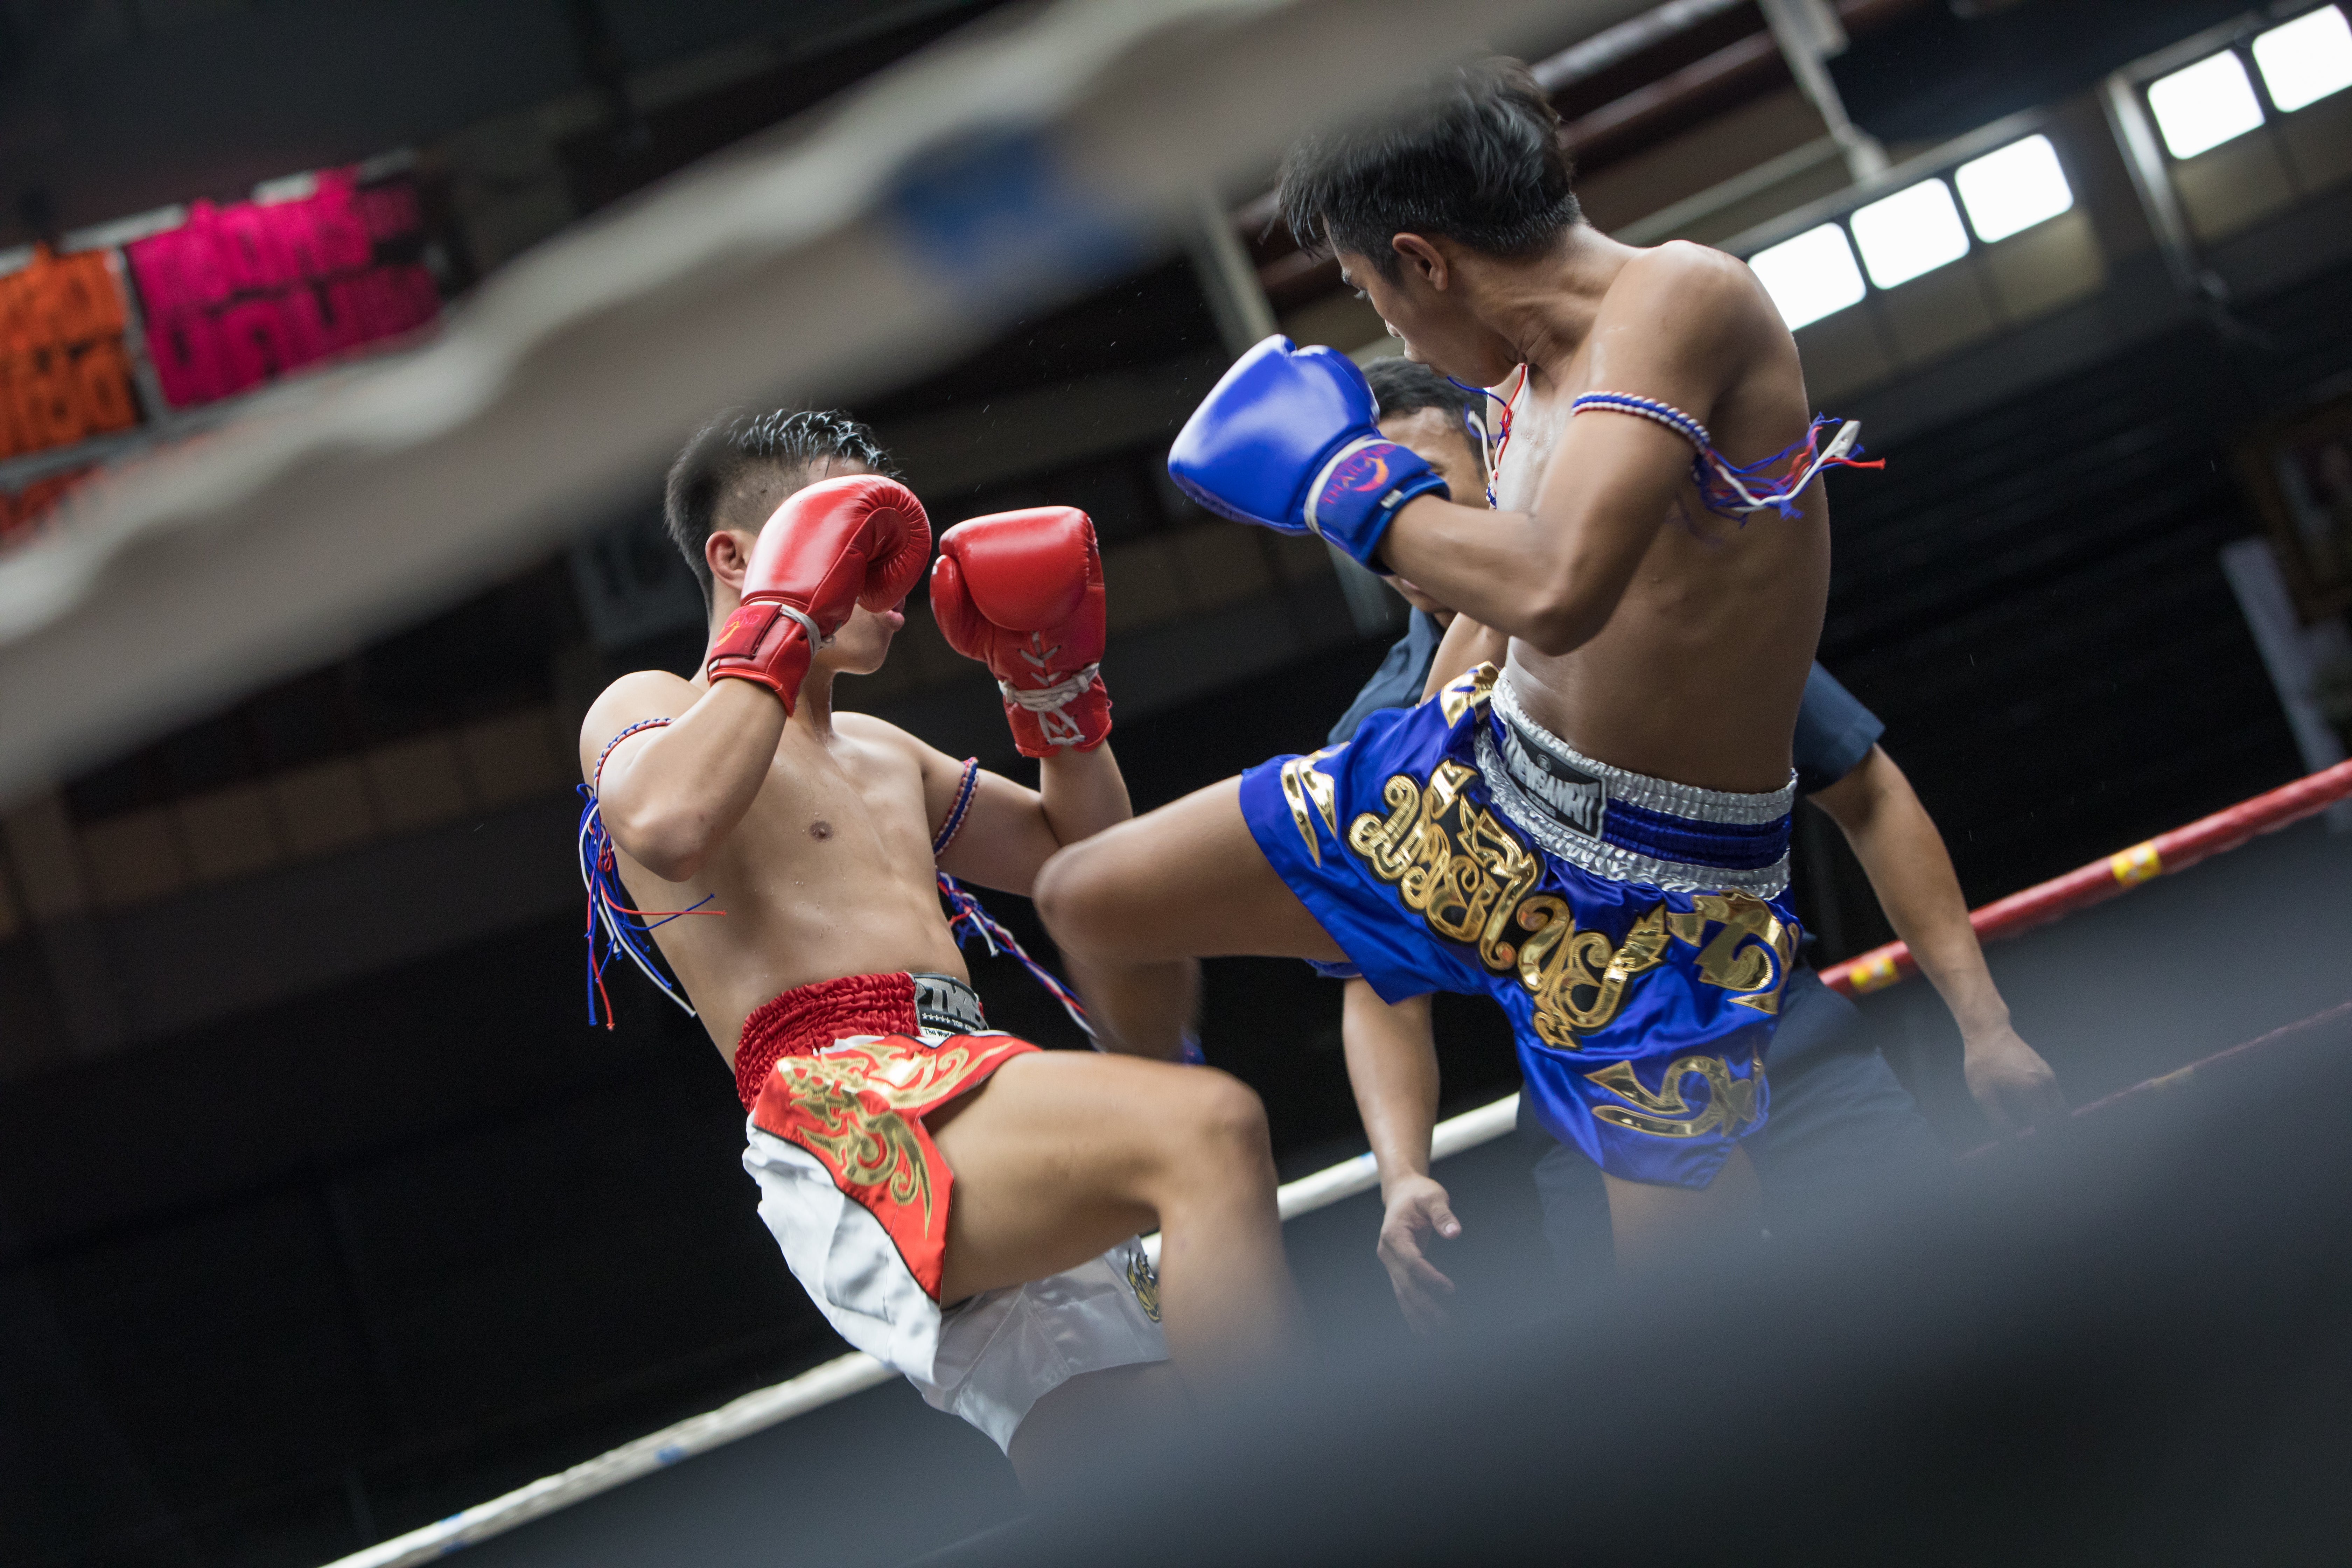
x=1844, y=1132
x=1597, y=833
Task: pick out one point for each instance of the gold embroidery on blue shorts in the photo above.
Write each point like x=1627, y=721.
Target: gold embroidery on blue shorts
x=1466, y=691
x=1751, y=953
x=1303, y=782
x=1452, y=863
x=1578, y=978
x=1730, y=1102
x=1472, y=880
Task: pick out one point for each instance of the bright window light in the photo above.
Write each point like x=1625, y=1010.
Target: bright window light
x=1911, y=232
x=2013, y=189
x=1810, y=276
x=2205, y=105
x=2308, y=58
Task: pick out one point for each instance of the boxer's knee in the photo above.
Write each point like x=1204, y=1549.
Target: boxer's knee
x=1217, y=1133
x=1076, y=898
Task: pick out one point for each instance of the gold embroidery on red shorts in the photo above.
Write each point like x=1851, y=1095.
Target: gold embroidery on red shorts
x=859, y=1109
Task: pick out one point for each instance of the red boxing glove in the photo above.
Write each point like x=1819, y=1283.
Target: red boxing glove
x=837, y=544
x=1022, y=592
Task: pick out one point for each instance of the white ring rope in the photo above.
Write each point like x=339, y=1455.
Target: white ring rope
x=820, y=1386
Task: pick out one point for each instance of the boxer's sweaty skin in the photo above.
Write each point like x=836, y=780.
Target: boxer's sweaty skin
x=1694, y=669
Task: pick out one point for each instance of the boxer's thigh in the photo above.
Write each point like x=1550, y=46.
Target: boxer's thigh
x=1184, y=882
x=1058, y=1157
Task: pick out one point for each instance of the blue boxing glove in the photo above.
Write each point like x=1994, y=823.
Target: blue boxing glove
x=1290, y=439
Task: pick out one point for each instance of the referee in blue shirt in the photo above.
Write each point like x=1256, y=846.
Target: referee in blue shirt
x=1842, y=1125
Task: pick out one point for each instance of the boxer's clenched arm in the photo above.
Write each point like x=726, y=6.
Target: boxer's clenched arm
x=1022, y=592
x=669, y=795
x=1009, y=830
x=1679, y=325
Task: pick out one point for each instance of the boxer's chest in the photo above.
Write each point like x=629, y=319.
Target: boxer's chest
x=848, y=822
x=1538, y=422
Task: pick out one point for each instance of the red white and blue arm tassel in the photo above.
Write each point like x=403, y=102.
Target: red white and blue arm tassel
x=1739, y=490
x=967, y=919
x=624, y=931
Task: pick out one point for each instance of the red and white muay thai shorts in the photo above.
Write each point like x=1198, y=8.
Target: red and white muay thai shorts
x=837, y=1077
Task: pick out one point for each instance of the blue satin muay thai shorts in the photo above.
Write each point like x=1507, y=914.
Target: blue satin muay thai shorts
x=1637, y=932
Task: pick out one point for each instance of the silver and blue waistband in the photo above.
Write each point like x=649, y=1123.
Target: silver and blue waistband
x=1626, y=825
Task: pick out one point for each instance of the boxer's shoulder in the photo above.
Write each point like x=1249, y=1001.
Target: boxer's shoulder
x=879, y=736
x=1683, y=278
x=634, y=699
x=1681, y=293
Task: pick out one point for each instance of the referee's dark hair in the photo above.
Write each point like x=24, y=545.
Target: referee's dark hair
x=1400, y=386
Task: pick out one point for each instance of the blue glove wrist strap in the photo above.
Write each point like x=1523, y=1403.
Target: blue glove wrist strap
x=1360, y=491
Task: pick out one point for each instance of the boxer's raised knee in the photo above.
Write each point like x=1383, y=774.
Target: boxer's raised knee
x=1215, y=1133
x=1077, y=899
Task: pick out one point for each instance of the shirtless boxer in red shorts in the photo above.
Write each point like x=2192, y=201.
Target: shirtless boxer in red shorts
x=958, y=1203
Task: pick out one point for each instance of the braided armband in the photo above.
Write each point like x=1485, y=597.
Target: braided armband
x=1739, y=490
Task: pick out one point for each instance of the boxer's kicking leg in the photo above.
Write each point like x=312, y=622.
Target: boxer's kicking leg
x=958, y=1203
x=1133, y=903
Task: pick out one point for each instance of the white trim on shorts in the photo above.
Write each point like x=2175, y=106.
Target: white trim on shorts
x=989, y=1358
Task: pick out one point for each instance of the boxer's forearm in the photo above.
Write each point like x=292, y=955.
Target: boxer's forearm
x=1082, y=792
x=1393, y=1067
x=669, y=798
x=1911, y=872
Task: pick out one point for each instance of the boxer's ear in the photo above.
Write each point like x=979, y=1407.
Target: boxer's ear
x=728, y=553
x=1422, y=260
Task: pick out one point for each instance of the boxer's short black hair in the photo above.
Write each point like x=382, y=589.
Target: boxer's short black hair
x=1474, y=155
x=735, y=441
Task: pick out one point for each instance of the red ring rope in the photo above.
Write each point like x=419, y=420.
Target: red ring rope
x=2164, y=854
